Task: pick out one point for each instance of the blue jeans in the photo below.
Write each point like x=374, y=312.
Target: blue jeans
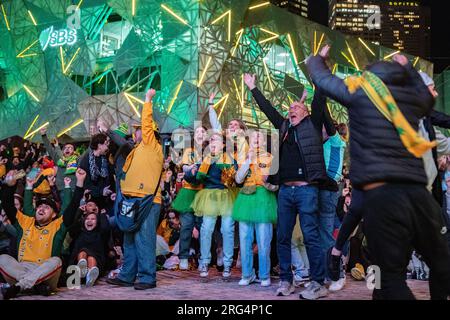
x=188, y=220
x=299, y=256
x=140, y=250
x=302, y=200
x=263, y=239
x=206, y=231
x=327, y=214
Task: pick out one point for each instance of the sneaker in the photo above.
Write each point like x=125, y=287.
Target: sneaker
x=118, y=282
x=10, y=292
x=358, y=272
x=184, y=264
x=300, y=280
x=314, y=291
x=247, y=281
x=203, y=268
x=92, y=276
x=82, y=264
x=285, y=288
x=226, y=272
x=266, y=282
x=144, y=286
x=337, y=285
x=42, y=289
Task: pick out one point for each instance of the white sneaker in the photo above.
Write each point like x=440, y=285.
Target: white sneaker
x=226, y=272
x=247, y=281
x=266, y=282
x=314, y=291
x=285, y=288
x=203, y=270
x=184, y=264
x=337, y=285
x=92, y=276
x=82, y=264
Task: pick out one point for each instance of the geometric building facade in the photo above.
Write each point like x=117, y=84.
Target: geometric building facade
x=70, y=63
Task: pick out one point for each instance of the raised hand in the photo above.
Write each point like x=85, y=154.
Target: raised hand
x=107, y=192
x=101, y=125
x=250, y=80
x=10, y=178
x=211, y=98
x=149, y=95
x=51, y=180
x=43, y=131
x=67, y=181
x=399, y=58
x=325, y=51
x=81, y=176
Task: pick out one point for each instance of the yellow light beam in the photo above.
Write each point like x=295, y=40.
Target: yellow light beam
x=334, y=68
x=229, y=22
x=32, y=18
x=291, y=44
x=415, y=61
x=366, y=46
x=62, y=58
x=268, y=75
x=30, y=93
x=259, y=5
x=73, y=125
x=223, y=15
x=353, y=57
x=223, y=106
x=133, y=7
x=238, y=93
x=348, y=59
x=175, y=97
x=218, y=102
x=240, y=32
x=174, y=14
x=242, y=92
x=37, y=130
x=20, y=55
x=132, y=106
x=79, y=4
x=5, y=17
x=320, y=43
x=71, y=60
x=31, y=126
x=315, y=40
x=28, y=55
x=133, y=97
x=390, y=55
x=204, y=72
x=274, y=35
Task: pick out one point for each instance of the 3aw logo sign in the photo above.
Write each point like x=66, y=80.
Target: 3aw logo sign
x=56, y=38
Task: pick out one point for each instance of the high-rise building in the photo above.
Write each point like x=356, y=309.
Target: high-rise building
x=406, y=26
x=299, y=7
x=402, y=25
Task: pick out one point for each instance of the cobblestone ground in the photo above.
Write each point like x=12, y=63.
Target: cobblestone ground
x=187, y=285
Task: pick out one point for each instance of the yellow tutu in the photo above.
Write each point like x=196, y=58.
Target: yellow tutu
x=213, y=202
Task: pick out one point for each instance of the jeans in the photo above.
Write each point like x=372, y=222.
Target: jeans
x=302, y=200
x=188, y=220
x=298, y=252
x=140, y=250
x=327, y=214
x=206, y=231
x=263, y=238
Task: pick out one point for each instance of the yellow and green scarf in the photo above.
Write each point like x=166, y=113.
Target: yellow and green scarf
x=69, y=163
x=224, y=162
x=382, y=98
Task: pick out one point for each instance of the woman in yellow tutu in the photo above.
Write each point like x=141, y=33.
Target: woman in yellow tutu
x=256, y=210
x=216, y=173
x=185, y=197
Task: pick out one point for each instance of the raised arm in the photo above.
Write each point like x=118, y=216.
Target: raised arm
x=271, y=113
x=320, y=114
x=28, y=208
x=440, y=119
x=148, y=134
x=213, y=119
x=52, y=151
x=330, y=85
x=71, y=210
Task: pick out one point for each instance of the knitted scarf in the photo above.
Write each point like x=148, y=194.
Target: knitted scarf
x=382, y=98
x=70, y=163
x=224, y=162
x=94, y=170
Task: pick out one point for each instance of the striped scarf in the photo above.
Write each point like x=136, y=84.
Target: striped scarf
x=94, y=170
x=382, y=98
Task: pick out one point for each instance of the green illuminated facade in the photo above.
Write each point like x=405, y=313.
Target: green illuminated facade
x=63, y=71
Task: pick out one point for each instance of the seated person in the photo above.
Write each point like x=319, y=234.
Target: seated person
x=41, y=235
x=167, y=236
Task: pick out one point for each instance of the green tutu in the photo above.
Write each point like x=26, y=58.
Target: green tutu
x=183, y=200
x=213, y=203
x=259, y=207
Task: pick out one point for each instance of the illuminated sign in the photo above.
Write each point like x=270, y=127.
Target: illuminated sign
x=57, y=38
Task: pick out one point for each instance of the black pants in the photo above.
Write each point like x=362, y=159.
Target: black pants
x=397, y=219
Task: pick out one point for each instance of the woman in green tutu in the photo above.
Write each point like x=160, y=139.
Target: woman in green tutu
x=256, y=210
x=184, y=198
x=216, y=173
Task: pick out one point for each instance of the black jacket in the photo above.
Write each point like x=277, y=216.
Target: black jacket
x=309, y=138
x=376, y=151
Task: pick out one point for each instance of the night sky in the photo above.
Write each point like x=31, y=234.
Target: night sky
x=440, y=44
